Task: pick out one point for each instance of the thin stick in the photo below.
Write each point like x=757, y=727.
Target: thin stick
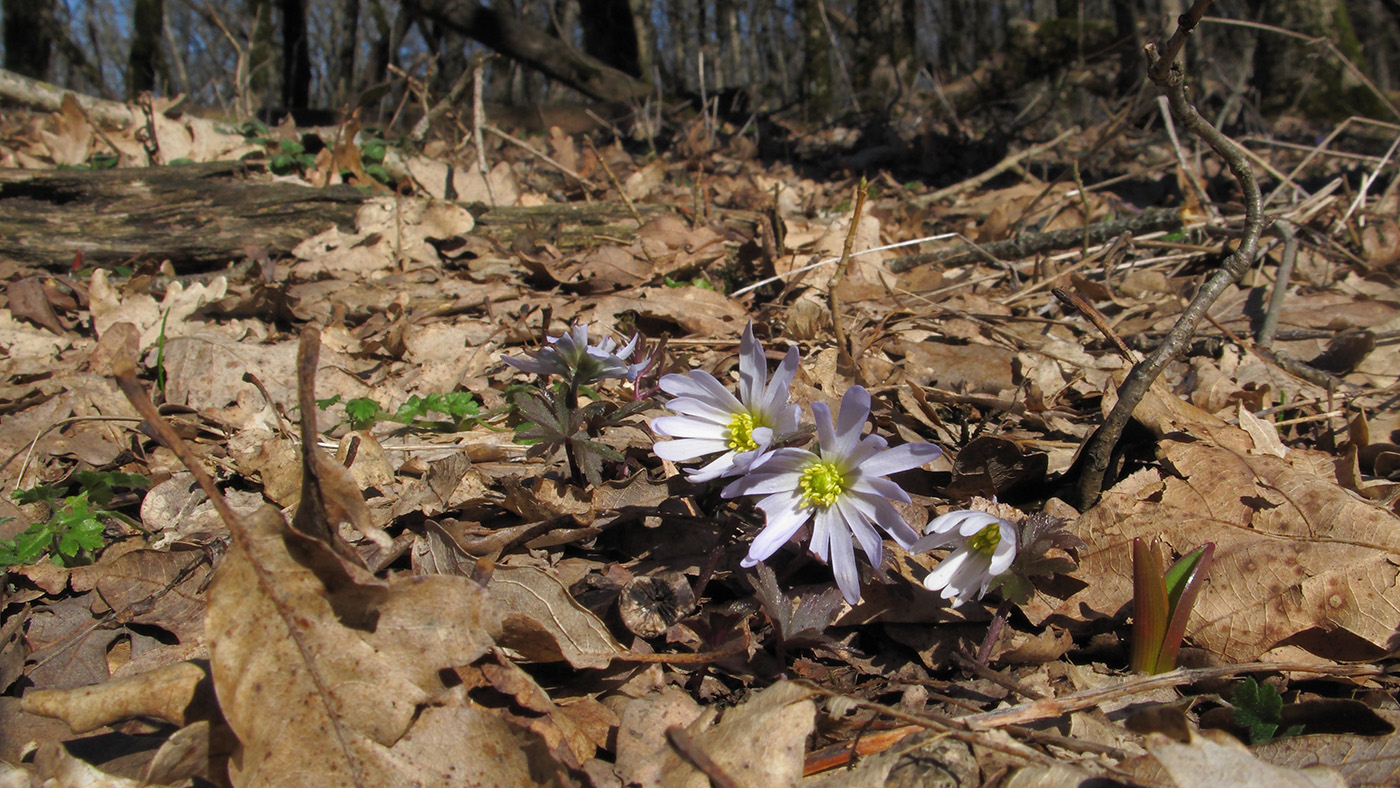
x=837, y=277
x=690, y=750
x=1050, y=708
x=533, y=151
x=828, y=261
x=1005, y=164
x=1269, y=327
x=627, y=201
x=125, y=372
x=1171, y=76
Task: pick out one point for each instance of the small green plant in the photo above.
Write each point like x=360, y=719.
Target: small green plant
x=1162, y=602
x=460, y=408
x=372, y=153
x=1259, y=709
x=557, y=421
x=76, y=525
x=698, y=281
x=291, y=158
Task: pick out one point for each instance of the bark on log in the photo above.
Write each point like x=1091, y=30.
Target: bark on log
x=204, y=216
x=198, y=216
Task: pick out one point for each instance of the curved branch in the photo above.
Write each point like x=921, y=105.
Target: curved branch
x=1135, y=386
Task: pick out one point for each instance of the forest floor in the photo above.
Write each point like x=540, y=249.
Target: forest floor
x=458, y=605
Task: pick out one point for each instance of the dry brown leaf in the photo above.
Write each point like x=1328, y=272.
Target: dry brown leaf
x=542, y=623
x=1201, y=764
x=1362, y=760
x=178, y=694
x=759, y=742
x=1296, y=556
x=342, y=672
x=640, y=184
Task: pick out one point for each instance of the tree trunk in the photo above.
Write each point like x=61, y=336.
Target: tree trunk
x=816, y=63
x=646, y=36
x=1293, y=75
x=345, y=57
x=608, y=34
x=261, y=56
x=28, y=37
x=296, y=58
x=534, y=48
x=144, y=63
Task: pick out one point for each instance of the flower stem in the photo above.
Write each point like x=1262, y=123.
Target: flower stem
x=984, y=651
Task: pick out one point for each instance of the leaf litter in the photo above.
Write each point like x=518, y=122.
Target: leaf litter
x=430, y=602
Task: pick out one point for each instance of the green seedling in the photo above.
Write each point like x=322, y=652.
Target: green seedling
x=75, y=529
x=1162, y=602
x=460, y=407
x=290, y=158
x=1259, y=710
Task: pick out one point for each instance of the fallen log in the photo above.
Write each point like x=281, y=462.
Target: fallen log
x=204, y=216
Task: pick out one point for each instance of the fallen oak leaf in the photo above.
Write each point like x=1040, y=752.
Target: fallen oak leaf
x=322, y=670
x=178, y=694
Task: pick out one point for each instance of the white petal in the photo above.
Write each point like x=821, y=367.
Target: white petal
x=941, y=574
x=843, y=564
x=784, y=518
x=687, y=448
x=900, y=458
x=629, y=347
x=723, y=465
x=1005, y=552
x=954, y=522
x=972, y=574
x=859, y=524
x=776, y=395
x=855, y=410
x=690, y=406
x=868, y=447
x=889, y=518
x=688, y=427
x=933, y=540
x=826, y=432
x=878, y=486
x=702, y=386
x=753, y=367
x=787, y=419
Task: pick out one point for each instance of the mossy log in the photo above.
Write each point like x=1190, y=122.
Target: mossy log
x=204, y=216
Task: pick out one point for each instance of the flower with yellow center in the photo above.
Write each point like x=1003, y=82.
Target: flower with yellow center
x=840, y=488
x=985, y=547
x=711, y=420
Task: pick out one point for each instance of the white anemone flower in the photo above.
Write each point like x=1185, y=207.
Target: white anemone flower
x=841, y=488
x=985, y=549
x=571, y=357
x=712, y=420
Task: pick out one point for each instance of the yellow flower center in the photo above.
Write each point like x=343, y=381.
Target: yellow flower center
x=741, y=432
x=986, y=540
x=821, y=484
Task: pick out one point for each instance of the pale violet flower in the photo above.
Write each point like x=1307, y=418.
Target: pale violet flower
x=714, y=421
x=985, y=548
x=570, y=356
x=841, y=488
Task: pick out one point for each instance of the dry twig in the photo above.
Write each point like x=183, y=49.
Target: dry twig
x=1167, y=72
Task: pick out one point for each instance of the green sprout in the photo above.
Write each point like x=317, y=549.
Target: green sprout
x=1259, y=710
x=460, y=408
x=1162, y=602
x=290, y=158
x=75, y=529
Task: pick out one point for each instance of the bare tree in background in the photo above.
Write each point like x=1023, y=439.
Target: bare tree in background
x=144, y=65
x=28, y=37
x=296, y=56
x=609, y=34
